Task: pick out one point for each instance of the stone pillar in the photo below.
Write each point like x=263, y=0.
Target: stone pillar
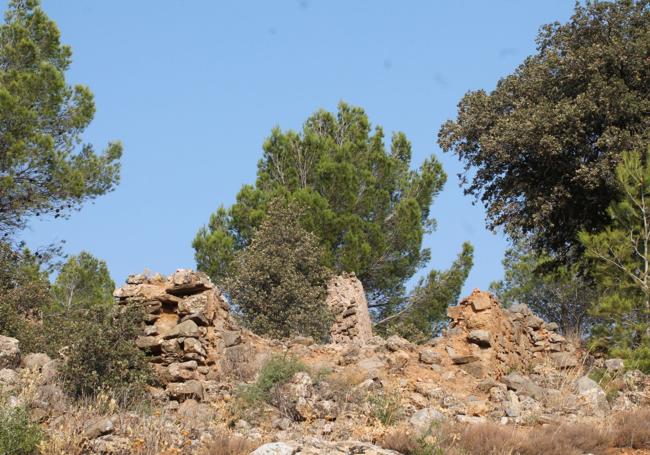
x=347, y=300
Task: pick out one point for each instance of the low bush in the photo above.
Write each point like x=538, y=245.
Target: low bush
x=276, y=371
x=386, y=407
x=103, y=356
x=18, y=436
x=493, y=439
x=400, y=440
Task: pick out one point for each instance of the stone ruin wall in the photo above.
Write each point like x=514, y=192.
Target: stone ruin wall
x=487, y=340
x=192, y=339
x=189, y=334
x=347, y=300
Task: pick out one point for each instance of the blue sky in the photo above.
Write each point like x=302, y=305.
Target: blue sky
x=192, y=88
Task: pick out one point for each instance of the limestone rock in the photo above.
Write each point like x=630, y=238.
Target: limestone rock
x=8, y=378
x=592, y=393
x=184, y=329
x=321, y=447
x=479, y=337
x=481, y=302
x=429, y=356
x=148, y=343
x=99, y=427
x=9, y=353
x=182, y=371
x=523, y=385
x=614, y=365
x=186, y=282
x=35, y=361
x=231, y=337
x=460, y=359
x=275, y=448
x=423, y=419
x=347, y=300
x=397, y=343
x=564, y=360
x=183, y=390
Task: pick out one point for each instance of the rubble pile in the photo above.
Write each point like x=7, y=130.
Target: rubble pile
x=485, y=339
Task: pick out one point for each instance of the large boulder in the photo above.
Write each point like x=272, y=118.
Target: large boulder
x=523, y=386
x=593, y=394
x=423, y=420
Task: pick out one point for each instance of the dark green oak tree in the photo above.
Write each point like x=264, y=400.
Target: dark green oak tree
x=541, y=148
x=364, y=202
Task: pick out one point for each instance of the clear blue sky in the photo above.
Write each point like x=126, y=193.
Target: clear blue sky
x=192, y=88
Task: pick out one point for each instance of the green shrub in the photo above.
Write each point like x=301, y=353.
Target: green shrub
x=278, y=370
x=18, y=436
x=103, y=355
x=24, y=293
x=386, y=407
x=278, y=282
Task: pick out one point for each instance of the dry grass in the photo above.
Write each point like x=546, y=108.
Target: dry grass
x=567, y=439
x=225, y=443
x=632, y=429
x=493, y=439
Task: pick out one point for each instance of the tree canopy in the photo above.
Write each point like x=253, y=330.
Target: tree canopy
x=540, y=150
x=367, y=207
x=44, y=166
x=83, y=281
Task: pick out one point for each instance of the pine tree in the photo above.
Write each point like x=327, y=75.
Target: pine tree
x=368, y=209
x=620, y=257
x=419, y=317
x=43, y=167
x=84, y=281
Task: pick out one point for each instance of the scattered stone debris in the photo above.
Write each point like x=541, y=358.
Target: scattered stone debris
x=490, y=364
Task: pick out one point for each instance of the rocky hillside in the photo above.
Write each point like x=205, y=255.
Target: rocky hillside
x=212, y=395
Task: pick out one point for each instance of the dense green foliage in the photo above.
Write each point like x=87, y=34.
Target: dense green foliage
x=620, y=258
x=18, y=435
x=43, y=168
x=562, y=294
x=24, y=294
x=279, y=281
x=84, y=281
x=542, y=146
x=367, y=207
x=418, y=318
x=103, y=355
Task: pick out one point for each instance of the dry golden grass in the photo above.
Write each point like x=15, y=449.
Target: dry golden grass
x=632, y=429
x=494, y=439
x=567, y=439
x=225, y=443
